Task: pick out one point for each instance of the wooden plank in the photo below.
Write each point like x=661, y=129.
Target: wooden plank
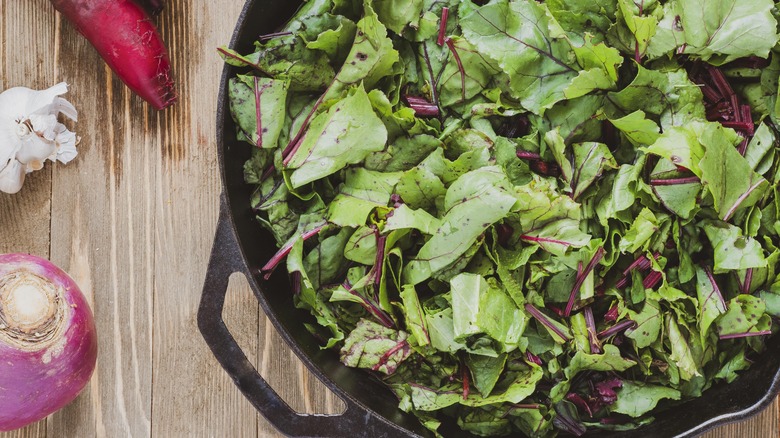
x=765, y=424
x=102, y=233
x=290, y=379
x=192, y=394
x=26, y=45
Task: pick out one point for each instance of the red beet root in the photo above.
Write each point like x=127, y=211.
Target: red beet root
x=127, y=39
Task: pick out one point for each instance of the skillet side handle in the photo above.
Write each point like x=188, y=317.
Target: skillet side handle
x=226, y=259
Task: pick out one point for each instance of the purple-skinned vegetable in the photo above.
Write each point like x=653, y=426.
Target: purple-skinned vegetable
x=48, y=341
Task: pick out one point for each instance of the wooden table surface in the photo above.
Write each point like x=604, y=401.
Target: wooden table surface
x=132, y=219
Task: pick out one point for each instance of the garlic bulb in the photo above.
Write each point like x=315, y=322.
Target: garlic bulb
x=30, y=132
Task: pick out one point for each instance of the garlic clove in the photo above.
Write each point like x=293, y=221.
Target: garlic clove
x=12, y=177
x=35, y=148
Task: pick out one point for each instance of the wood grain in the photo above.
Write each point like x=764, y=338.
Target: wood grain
x=132, y=221
x=27, y=41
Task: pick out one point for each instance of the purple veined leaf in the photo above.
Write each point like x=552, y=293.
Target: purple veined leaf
x=741, y=199
x=567, y=420
x=545, y=321
x=269, y=267
x=454, y=51
x=581, y=279
x=590, y=322
x=370, y=307
x=401, y=346
x=268, y=172
x=617, y=328
x=295, y=142
x=259, y=111
x=637, y=54
x=445, y=15
x=745, y=335
x=433, y=80
x=504, y=233
x=268, y=195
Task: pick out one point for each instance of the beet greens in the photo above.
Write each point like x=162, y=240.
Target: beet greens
x=523, y=220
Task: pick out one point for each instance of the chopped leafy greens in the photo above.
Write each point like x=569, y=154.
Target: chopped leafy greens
x=525, y=217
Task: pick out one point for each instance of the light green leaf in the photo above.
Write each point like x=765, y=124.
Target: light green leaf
x=343, y=135
x=517, y=36
x=636, y=398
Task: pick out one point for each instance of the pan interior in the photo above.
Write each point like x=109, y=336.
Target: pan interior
x=722, y=403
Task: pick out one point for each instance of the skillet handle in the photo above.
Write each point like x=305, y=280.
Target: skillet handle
x=226, y=259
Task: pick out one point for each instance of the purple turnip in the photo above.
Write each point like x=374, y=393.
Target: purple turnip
x=48, y=342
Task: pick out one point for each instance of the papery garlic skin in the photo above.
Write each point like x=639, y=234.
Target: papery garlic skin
x=30, y=132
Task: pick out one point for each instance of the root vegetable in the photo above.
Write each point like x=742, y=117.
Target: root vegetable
x=48, y=342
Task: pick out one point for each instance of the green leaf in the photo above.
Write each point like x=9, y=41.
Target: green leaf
x=681, y=353
x=743, y=315
x=500, y=319
x=371, y=58
x=633, y=30
x=467, y=290
x=361, y=247
x=636, y=398
x=637, y=129
x=473, y=203
x=639, y=235
x=732, y=250
x=287, y=59
x=727, y=174
x=599, y=65
x=456, y=86
x=258, y=106
x=517, y=36
x=343, y=135
x=375, y=347
x=363, y=191
x=649, y=322
x=723, y=30
x=710, y=300
x=610, y=360
x=485, y=371
x=397, y=15
x=760, y=152
x=667, y=94
x=577, y=18
x=336, y=42
x=415, y=317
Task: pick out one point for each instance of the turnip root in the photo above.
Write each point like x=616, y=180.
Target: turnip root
x=48, y=342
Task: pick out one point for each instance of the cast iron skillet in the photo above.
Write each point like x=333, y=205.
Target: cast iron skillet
x=241, y=245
